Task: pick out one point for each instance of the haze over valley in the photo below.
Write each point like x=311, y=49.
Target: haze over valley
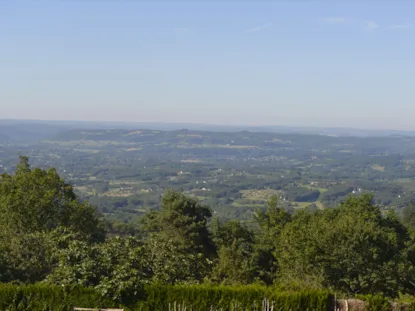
x=207, y=155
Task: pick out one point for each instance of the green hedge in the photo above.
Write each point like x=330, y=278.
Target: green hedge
x=41, y=297
x=203, y=297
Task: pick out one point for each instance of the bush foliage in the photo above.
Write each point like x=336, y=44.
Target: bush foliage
x=43, y=297
x=203, y=297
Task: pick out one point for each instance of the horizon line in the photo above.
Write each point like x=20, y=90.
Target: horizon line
x=214, y=124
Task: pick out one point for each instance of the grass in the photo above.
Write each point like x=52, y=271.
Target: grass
x=118, y=192
x=277, y=140
x=263, y=195
x=234, y=146
x=94, y=151
x=191, y=161
x=84, y=189
x=306, y=204
x=133, y=133
x=322, y=190
x=377, y=167
x=123, y=182
x=301, y=204
x=89, y=143
x=239, y=204
x=320, y=205
x=81, y=188
x=119, y=195
x=187, y=145
x=192, y=195
x=407, y=183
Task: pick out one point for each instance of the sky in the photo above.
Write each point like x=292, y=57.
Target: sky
x=300, y=63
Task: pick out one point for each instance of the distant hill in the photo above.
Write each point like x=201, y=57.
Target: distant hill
x=26, y=133
x=33, y=131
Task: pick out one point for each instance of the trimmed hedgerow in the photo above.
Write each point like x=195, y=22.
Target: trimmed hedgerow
x=43, y=297
x=205, y=297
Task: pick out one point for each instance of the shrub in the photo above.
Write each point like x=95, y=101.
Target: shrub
x=205, y=297
x=42, y=297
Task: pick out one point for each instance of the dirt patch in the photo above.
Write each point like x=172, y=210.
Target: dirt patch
x=190, y=161
x=134, y=133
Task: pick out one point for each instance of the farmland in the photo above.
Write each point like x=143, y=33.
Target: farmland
x=123, y=172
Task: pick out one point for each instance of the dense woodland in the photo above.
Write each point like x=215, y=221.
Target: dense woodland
x=50, y=236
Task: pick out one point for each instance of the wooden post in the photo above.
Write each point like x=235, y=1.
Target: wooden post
x=335, y=302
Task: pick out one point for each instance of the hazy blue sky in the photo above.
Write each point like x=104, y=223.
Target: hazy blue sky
x=325, y=63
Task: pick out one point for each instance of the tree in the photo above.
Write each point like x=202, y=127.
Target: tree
x=35, y=204
x=271, y=223
x=352, y=249
x=236, y=262
x=179, y=244
x=408, y=216
x=125, y=269
x=37, y=200
x=117, y=268
x=25, y=257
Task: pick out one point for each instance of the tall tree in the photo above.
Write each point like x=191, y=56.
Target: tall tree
x=236, y=263
x=37, y=200
x=271, y=223
x=34, y=204
x=178, y=242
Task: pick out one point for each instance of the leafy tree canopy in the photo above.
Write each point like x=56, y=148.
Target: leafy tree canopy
x=353, y=248
x=38, y=200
